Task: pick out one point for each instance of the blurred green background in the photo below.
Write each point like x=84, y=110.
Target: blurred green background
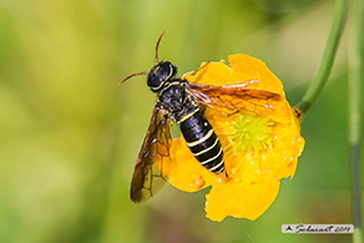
x=69, y=136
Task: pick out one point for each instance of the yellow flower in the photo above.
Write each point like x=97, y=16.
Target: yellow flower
x=260, y=147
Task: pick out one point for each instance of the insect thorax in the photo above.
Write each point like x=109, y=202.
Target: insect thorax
x=174, y=98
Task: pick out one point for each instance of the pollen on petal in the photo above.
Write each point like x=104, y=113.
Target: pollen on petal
x=199, y=182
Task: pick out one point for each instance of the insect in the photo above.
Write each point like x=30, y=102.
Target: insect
x=183, y=102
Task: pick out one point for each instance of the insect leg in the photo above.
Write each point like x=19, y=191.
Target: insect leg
x=194, y=71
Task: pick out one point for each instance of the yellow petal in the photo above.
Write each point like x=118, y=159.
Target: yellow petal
x=240, y=200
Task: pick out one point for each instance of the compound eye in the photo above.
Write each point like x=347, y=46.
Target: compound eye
x=165, y=70
x=155, y=78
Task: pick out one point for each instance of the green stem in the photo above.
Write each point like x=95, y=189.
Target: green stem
x=355, y=42
x=328, y=58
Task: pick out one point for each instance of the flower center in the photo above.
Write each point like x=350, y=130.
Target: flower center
x=250, y=133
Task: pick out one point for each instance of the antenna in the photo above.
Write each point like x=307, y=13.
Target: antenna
x=156, y=60
x=156, y=48
x=130, y=76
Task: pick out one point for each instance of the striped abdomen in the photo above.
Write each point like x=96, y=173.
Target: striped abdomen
x=202, y=141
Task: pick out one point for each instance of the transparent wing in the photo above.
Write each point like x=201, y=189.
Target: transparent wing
x=148, y=179
x=231, y=99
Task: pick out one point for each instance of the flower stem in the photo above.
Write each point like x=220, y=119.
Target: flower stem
x=328, y=58
x=355, y=41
